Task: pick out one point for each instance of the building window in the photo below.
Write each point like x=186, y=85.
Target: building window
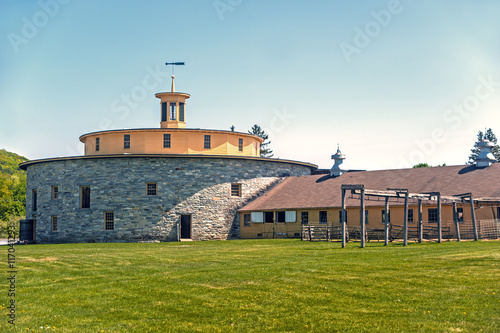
x=340, y=216
x=126, y=141
x=323, y=219
x=410, y=215
x=498, y=214
x=151, y=189
x=246, y=220
x=54, y=223
x=34, y=199
x=268, y=217
x=206, y=142
x=304, y=218
x=240, y=144
x=109, y=221
x=236, y=190
x=257, y=217
x=166, y=141
x=290, y=216
x=460, y=214
x=97, y=144
x=173, y=111
x=366, y=216
x=280, y=216
x=55, y=192
x=164, y=111
x=181, y=111
x=84, y=196
x=383, y=216
x=432, y=215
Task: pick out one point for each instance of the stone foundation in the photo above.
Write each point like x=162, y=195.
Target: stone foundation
x=195, y=186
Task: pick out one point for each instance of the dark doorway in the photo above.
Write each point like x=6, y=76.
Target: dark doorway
x=26, y=230
x=269, y=217
x=185, y=226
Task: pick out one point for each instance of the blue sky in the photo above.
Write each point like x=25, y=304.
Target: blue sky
x=395, y=83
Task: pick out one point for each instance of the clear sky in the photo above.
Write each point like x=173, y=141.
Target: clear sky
x=395, y=83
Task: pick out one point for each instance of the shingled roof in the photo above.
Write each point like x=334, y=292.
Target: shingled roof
x=323, y=191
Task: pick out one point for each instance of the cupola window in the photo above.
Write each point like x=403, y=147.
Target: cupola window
x=173, y=111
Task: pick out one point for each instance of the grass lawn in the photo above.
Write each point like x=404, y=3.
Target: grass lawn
x=256, y=286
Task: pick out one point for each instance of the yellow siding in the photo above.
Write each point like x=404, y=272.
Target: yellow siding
x=182, y=142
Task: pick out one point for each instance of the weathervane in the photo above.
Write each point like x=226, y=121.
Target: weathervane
x=173, y=64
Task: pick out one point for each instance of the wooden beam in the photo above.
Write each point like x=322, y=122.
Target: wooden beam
x=473, y=214
x=342, y=219
x=405, y=222
x=455, y=219
x=362, y=219
x=386, y=218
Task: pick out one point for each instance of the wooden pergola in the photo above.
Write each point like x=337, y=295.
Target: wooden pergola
x=403, y=193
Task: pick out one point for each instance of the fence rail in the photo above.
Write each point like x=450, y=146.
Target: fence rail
x=487, y=229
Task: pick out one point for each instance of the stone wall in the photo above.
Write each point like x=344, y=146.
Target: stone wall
x=196, y=186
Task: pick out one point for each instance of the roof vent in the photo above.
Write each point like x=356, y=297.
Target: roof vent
x=339, y=158
x=485, y=157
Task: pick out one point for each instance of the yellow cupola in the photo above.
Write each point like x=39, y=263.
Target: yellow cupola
x=173, y=108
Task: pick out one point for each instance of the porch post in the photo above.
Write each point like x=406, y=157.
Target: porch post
x=342, y=219
x=386, y=218
x=362, y=219
x=473, y=214
x=420, y=226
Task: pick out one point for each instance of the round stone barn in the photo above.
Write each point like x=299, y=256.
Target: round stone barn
x=159, y=184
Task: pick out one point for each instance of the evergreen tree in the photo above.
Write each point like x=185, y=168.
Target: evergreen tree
x=480, y=136
x=421, y=165
x=265, y=151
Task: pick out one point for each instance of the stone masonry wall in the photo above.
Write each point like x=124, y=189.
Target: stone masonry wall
x=196, y=186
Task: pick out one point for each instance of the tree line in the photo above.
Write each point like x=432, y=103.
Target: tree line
x=12, y=189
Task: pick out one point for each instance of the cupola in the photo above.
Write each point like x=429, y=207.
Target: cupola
x=336, y=169
x=173, y=108
x=485, y=157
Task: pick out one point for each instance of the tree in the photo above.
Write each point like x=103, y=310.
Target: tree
x=265, y=151
x=480, y=136
x=421, y=165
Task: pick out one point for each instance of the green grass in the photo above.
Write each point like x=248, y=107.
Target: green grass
x=257, y=286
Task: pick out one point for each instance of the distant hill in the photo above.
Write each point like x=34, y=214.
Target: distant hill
x=9, y=162
x=12, y=188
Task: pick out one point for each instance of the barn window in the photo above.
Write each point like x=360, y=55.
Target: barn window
x=55, y=192
x=280, y=216
x=109, y=221
x=84, y=196
x=290, y=216
x=164, y=111
x=257, y=217
x=268, y=217
x=410, y=215
x=126, y=141
x=383, y=216
x=460, y=214
x=236, y=190
x=173, y=111
x=206, y=142
x=151, y=189
x=97, y=144
x=304, y=218
x=323, y=219
x=181, y=111
x=246, y=220
x=240, y=144
x=432, y=215
x=54, y=223
x=166, y=141
x=34, y=199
